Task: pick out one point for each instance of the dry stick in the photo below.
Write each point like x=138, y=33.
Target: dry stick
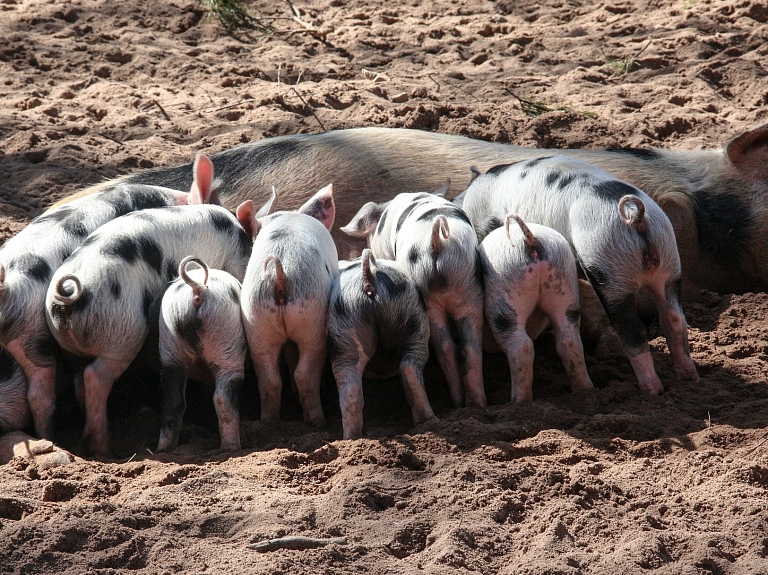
x=103, y=135
x=233, y=105
x=297, y=16
x=759, y=443
x=295, y=91
x=156, y=103
x=296, y=543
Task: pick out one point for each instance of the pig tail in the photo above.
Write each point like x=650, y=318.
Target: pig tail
x=439, y=228
x=530, y=239
x=197, y=288
x=637, y=217
x=61, y=298
x=369, y=273
x=280, y=297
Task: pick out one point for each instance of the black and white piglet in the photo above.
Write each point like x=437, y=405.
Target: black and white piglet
x=434, y=240
x=622, y=240
x=285, y=297
x=200, y=323
x=530, y=271
x=376, y=305
x=28, y=260
x=99, y=302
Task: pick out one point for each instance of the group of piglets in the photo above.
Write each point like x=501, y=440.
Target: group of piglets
x=91, y=278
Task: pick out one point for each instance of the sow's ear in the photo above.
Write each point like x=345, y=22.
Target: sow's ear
x=246, y=215
x=365, y=221
x=442, y=190
x=204, y=188
x=750, y=148
x=321, y=207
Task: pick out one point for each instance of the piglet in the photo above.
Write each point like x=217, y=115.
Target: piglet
x=100, y=301
x=622, y=240
x=530, y=271
x=376, y=305
x=14, y=408
x=28, y=260
x=285, y=297
x=200, y=322
x=435, y=242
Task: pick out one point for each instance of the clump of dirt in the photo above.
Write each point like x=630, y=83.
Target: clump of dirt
x=609, y=481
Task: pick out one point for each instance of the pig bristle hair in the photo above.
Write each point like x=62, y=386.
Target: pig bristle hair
x=530, y=239
x=439, y=228
x=369, y=273
x=197, y=289
x=637, y=217
x=279, y=277
x=63, y=299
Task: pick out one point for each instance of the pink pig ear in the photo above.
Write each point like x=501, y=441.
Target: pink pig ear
x=246, y=215
x=321, y=207
x=204, y=188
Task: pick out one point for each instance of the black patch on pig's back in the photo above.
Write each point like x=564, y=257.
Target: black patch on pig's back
x=220, y=221
x=723, y=223
x=613, y=190
x=404, y=215
x=639, y=153
x=32, y=266
x=394, y=287
x=413, y=254
x=148, y=198
x=131, y=249
x=453, y=212
x=492, y=223
x=189, y=330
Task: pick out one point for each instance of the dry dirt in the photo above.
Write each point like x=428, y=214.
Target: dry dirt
x=608, y=482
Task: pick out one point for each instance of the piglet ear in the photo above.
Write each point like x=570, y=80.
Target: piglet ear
x=751, y=145
x=442, y=190
x=365, y=221
x=270, y=207
x=204, y=187
x=321, y=207
x=246, y=215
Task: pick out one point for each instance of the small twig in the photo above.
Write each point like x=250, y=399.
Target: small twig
x=103, y=135
x=88, y=82
x=138, y=451
x=279, y=93
x=296, y=543
x=709, y=421
x=435, y=81
x=233, y=105
x=162, y=110
x=209, y=96
x=297, y=16
x=759, y=443
x=295, y=91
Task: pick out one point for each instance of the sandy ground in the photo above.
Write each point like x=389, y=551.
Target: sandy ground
x=608, y=482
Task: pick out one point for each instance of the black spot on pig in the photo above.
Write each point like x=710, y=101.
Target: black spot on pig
x=146, y=304
x=147, y=198
x=596, y=276
x=626, y=322
x=220, y=221
x=674, y=289
x=394, y=287
x=151, y=253
x=171, y=270
x=552, y=177
x=234, y=295
x=75, y=227
x=489, y=225
x=130, y=250
x=382, y=220
x=81, y=304
x=504, y=321
x=279, y=234
x=244, y=241
x=114, y=288
x=413, y=254
x=724, y=223
x=573, y=315
x=447, y=211
x=533, y=162
x=41, y=351
x=339, y=308
x=639, y=153
x=33, y=267
x=438, y=282
x=479, y=273
x=189, y=330
x=565, y=181
x=496, y=170
x=613, y=190
x=404, y=215
x=119, y=201
x=56, y=215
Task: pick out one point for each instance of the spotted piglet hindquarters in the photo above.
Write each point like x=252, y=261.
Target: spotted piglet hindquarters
x=285, y=298
x=434, y=241
x=530, y=268
x=621, y=238
x=200, y=322
x=374, y=304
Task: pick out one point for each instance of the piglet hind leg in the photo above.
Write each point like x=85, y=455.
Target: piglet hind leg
x=675, y=330
x=41, y=376
x=266, y=359
x=312, y=353
x=412, y=377
x=349, y=382
x=631, y=331
x=570, y=349
x=173, y=379
x=99, y=377
x=226, y=400
x=471, y=356
x=446, y=352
